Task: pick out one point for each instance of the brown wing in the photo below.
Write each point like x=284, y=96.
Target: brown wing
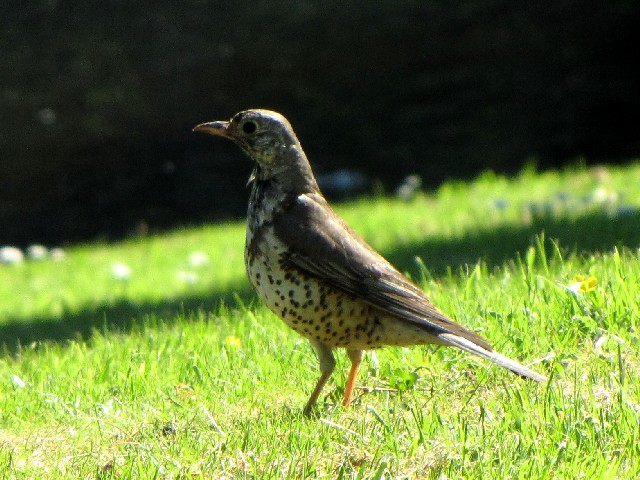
x=323, y=246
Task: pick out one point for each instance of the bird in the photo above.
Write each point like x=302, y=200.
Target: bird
x=317, y=274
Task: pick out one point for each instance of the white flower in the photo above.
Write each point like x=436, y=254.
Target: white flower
x=198, y=259
x=601, y=194
x=120, y=271
x=11, y=255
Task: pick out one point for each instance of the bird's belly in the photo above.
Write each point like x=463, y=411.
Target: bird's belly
x=320, y=312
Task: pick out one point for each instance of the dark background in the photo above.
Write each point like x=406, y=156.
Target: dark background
x=98, y=98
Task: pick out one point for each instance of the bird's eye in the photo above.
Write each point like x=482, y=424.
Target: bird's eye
x=249, y=127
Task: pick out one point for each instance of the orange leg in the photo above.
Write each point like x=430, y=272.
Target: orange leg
x=356, y=358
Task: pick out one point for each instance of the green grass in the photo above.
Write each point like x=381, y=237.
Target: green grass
x=179, y=372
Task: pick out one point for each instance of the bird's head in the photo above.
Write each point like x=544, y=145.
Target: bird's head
x=263, y=135
x=267, y=137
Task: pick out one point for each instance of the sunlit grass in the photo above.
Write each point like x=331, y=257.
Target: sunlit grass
x=169, y=368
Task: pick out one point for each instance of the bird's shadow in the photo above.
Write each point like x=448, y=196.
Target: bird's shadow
x=119, y=316
x=592, y=232
x=589, y=233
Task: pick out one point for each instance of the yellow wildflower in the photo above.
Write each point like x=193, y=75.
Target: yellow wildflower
x=581, y=284
x=233, y=341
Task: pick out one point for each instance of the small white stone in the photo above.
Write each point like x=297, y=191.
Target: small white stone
x=600, y=341
x=18, y=382
x=120, y=271
x=189, y=278
x=47, y=116
x=198, y=259
x=57, y=254
x=37, y=252
x=11, y=255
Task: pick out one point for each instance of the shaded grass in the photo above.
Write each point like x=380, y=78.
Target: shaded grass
x=155, y=378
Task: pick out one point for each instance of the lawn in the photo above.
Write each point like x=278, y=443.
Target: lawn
x=151, y=357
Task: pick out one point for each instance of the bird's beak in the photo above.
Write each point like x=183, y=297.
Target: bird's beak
x=213, y=128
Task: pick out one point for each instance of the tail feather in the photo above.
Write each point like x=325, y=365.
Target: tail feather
x=468, y=346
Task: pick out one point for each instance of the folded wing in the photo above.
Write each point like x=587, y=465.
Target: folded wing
x=323, y=246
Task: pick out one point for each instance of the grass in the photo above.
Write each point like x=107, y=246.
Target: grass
x=177, y=371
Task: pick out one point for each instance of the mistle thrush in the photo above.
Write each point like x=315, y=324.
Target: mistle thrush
x=317, y=274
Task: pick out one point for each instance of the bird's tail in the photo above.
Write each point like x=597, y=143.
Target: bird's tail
x=468, y=346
